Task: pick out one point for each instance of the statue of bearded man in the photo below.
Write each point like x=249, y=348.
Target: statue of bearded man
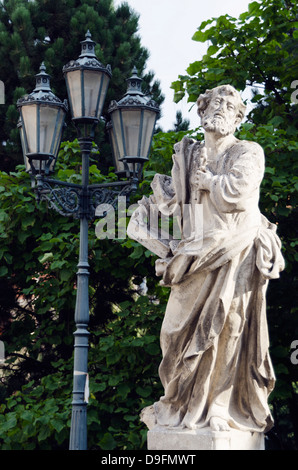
x=215, y=368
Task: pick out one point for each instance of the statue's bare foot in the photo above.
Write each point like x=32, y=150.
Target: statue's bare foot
x=219, y=424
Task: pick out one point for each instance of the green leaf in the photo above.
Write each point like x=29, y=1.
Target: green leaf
x=22, y=236
x=254, y=8
x=113, y=358
x=199, y=36
x=28, y=221
x=45, y=257
x=44, y=433
x=107, y=442
x=10, y=423
x=3, y=271
x=194, y=68
x=8, y=258
x=144, y=392
x=153, y=349
x=257, y=98
x=58, y=264
x=65, y=274
x=212, y=50
x=57, y=424
x=123, y=390
x=3, y=216
x=137, y=252
x=276, y=121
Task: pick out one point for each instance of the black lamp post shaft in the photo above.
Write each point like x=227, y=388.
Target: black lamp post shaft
x=78, y=432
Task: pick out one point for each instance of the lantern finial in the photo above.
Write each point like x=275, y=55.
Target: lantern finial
x=88, y=46
x=134, y=84
x=42, y=80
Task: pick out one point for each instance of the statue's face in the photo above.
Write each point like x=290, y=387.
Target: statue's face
x=220, y=116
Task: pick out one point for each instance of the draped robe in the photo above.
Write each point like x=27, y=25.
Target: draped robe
x=214, y=336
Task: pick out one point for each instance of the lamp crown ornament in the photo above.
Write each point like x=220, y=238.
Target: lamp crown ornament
x=42, y=91
x=42, y=79
x=87, y=58
x=88, y=46
x=134, y=84
x=134, y=95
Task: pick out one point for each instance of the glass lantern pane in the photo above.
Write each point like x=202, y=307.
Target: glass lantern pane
x=147, y=132
x=48, y=117
x=57, y=137
x=131, y=125
x=95, y=88
x=92, y=81
x=26, y=161
x=118, y=165
x=117, y=127
x=105, y=79
x=73, y=80
x=29, y=114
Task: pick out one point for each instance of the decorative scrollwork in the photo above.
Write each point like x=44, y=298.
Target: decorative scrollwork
x=91, y=64
x=46, y=97
x=63, y=199
x=108, y=197
x=71, y=200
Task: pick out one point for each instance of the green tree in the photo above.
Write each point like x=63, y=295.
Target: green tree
x=258, y=52
x=181, y=124
x=51, y=31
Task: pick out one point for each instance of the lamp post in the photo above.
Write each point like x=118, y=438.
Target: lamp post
x=41, y=124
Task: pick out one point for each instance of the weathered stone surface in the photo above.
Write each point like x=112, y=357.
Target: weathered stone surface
x=215, y=370
x=162, y=438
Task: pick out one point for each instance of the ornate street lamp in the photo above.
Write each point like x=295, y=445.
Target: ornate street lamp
x=133, y=121
x=42, y=117
x=87, y=83
x=41, y=123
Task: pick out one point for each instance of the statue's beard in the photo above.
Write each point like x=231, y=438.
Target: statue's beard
x=217, y=125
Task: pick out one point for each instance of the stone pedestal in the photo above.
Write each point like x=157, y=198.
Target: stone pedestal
x=163, y=438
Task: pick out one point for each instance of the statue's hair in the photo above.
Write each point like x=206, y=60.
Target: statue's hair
x=205, y=98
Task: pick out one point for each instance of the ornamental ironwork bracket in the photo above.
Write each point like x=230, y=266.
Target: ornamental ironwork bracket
x=70, y=199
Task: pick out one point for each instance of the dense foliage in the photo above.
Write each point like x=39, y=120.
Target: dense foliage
x=39, y=251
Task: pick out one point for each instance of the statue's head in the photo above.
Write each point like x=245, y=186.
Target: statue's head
x=221, y=109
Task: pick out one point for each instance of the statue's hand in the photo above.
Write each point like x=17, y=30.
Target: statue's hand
x=203, y=179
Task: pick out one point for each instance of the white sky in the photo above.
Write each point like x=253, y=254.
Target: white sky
x=166, y=28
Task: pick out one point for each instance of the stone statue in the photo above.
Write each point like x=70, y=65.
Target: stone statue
x=215, y=368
